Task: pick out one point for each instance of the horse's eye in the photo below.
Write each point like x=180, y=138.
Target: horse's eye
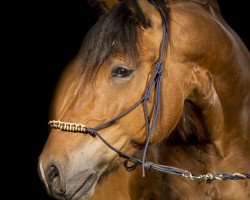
x=121, y=72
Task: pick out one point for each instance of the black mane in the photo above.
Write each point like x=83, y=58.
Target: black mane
x=115, y=32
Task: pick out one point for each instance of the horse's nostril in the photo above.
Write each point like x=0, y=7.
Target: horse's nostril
x=54, y=182
x=53, y=177
x=52, y=173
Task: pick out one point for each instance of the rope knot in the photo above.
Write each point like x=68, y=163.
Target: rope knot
x=91, y=131
x=147, y=95
x=148, y=165
x=159, y=67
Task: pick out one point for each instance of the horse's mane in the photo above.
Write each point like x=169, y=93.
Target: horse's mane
x=115, y=32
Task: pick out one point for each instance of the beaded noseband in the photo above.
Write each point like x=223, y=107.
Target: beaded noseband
x=150, y=126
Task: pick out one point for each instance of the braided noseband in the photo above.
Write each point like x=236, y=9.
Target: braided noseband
x=150, y=126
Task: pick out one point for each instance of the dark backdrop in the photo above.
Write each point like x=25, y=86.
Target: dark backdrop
x=52, y=33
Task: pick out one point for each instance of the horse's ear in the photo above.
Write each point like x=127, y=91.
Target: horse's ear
x=102, y=6
x=150, y=13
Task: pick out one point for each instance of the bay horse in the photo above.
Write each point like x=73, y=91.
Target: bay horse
x=203, y=100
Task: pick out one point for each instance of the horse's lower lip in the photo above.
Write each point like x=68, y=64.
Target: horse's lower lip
x=84, y=189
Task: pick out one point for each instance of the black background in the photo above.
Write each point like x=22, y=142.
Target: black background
x=47, y=34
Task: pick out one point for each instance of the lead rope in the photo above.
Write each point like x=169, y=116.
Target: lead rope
x=150, y=126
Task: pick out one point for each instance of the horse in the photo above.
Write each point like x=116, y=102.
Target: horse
x=194, y=116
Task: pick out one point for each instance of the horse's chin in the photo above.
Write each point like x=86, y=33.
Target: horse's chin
x=86, y=189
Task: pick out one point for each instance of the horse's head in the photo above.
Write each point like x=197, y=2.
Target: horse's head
x=112, y=72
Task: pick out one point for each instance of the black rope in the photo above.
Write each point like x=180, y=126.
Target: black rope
x=131, y=163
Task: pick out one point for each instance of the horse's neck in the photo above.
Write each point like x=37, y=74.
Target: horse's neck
x=216, y=114
x=203, y=135
x=220, y=92
x=216, y=67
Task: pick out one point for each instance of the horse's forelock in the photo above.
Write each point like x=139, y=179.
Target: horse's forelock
x=115, y=32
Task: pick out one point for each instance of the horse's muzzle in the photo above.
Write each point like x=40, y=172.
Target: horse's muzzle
x=64, y=187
